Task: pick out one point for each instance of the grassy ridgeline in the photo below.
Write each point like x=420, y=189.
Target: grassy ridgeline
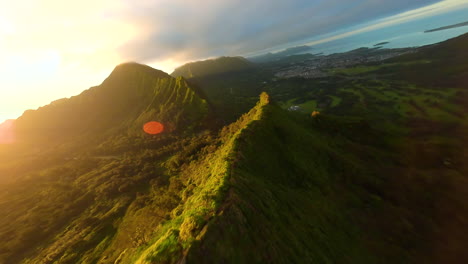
x=286, y=201
x=279, y=190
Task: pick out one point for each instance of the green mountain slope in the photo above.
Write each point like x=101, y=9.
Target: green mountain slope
x=132, y=95
x=274, y=187
x=205, y=182
x=290, y=203
x=274, y=202
x=213, y=66
x=172, y=199
x=78, y=163
x=286, y=202
x=378, y=176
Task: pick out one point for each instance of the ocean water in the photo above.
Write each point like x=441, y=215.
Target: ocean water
x=408, y=34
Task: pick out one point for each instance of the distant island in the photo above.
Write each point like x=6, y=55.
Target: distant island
x=381, y=43
x=447, y=27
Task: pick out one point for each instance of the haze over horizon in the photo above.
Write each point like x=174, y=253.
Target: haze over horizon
x=51, y=49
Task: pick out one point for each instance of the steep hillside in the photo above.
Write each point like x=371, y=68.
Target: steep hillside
x=296, y=202
x=271, y=187
x=213, y=66
x=132, y=95
x=375, y=175
x=74, y=166
x=204, y=184
x=106, y=209
x=276, y=193
x=416, y=106
x=278, y=187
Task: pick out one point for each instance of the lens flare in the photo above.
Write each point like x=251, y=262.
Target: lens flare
x=153, y=128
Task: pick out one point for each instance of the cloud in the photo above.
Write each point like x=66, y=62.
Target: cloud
x=51, y=49
x=97, y=33
x=431, y=10
x=189, y=30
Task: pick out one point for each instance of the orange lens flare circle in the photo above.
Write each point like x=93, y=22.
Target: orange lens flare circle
x=153, y=128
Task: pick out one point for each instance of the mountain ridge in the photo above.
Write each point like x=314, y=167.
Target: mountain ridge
x=368, y=170
x=132, y=95
x=212, y=66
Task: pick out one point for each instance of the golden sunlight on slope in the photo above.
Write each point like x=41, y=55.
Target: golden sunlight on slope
x=7, y=135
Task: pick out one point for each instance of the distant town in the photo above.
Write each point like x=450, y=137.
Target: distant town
x=317, y=66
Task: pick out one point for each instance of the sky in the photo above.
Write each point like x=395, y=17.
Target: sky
x=50, y=49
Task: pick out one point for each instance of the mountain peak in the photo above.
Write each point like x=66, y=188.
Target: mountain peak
x=132, y=95
x=131, y=68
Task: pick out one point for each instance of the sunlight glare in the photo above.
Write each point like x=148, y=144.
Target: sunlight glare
x=7, y=135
